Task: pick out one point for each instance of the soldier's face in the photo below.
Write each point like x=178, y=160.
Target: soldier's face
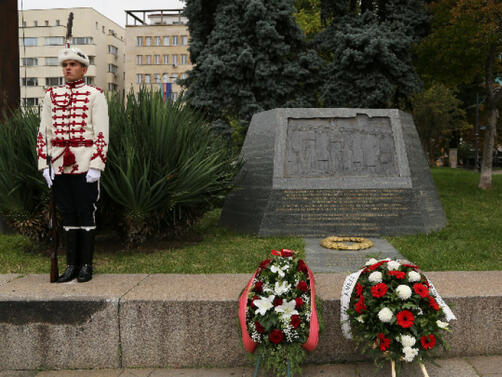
x=73, y=70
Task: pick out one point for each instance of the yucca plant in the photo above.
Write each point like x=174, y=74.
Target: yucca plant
x=165, y=166
x=23, y=193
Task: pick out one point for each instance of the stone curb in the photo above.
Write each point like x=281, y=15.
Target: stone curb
x=173, y=320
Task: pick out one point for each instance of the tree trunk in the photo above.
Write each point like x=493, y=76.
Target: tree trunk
x=485, y=181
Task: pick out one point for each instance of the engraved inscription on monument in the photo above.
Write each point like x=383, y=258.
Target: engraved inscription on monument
x=326, y=147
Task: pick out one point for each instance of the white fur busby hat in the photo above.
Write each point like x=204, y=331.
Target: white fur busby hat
x=73, y=53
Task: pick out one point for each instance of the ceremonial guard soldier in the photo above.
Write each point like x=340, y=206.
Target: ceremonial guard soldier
x=72, y=144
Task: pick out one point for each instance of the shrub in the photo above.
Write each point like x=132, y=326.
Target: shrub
x=165, y=167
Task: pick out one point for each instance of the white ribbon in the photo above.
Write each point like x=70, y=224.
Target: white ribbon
x=348, y=287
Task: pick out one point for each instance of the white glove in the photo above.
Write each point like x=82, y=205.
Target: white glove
x=92, y=175
x=48, y=177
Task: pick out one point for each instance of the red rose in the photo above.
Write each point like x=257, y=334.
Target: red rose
x=302, y=267
x=277, y=301
x=253, y=300
x=405, y=319
x=373, y=267
x=421, y=290
x=433, y=303
x=428, y=342
x=359, y=289
x=397, y=274
x=259, y=327
x=302, y=286
x=285, y=253
x=276, y=336
x=379, y=290
x=299, y=302
x=360, y=306
x=295, y=321
x=382, y=341
x=258, y=287
x=264, y=263
x=410, y=266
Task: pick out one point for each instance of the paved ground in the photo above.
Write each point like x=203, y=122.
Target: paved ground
x=479, y=366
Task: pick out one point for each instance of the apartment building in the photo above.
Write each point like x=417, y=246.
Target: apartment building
x=156, y=49
x=42, y=34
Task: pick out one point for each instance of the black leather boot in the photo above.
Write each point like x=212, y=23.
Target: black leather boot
x=72, y=266
x=86, y=253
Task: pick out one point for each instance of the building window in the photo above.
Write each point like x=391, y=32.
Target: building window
x=112, y=68
x=89, y=80
x=175, y=60
x=156, y=78
x=52, y=60
x=139, y=78
x=30, y=61
x=112, y=87
x=148, y=59
x=175, y=40
x=183, y=76
x=24, y=23
x=165, y=59
x=139, y=41
x=157, y=41
x=46, y=23
x=54, y=41
x=148, y=78
x=58, y=23
x=166, y=41
x=82, y=41
x=139, y=59
x=184, y=59
x=165, y=77
x=174, y=77
x=184, y=40
x=113, y=50
x=54, y=81
x=148, y=41
x=30, y=41
x=30, y=101
x=156, y=59
x=103, y=29
x=30, y=81
x=97, y=25
x=35, y=23
x=91, y=60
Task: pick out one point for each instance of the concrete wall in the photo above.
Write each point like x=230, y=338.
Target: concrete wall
x=191, y=320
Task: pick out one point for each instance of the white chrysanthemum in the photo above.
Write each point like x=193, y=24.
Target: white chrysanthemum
x=409, y=353
x=393, y=265
x=287, y=309
x=420, y=311
x=371, y=261
x=281, y=288
x=375, y=277
x=279, y=270
x=441, y=324
x=403, y=291
x=413, y=276
x=264, y=304
x=407, y=340
x=360, y=319
x=385, y=315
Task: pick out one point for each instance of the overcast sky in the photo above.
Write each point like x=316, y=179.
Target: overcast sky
x=111, y=9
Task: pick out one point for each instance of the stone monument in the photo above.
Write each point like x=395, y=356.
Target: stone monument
x=321, y=172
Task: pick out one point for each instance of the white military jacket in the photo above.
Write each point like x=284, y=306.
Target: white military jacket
x=73, y=129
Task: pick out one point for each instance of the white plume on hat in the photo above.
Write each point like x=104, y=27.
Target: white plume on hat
x=73, y=53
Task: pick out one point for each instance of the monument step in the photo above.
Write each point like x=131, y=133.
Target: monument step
x=172, y=320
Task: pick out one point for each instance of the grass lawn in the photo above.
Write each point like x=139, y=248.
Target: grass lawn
x=472, y=240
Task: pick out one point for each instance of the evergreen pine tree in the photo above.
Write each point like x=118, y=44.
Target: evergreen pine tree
x=368, y=45
x=249, y=56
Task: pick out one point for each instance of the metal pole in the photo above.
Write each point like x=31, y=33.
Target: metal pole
x=476, y=135
x=9, y=57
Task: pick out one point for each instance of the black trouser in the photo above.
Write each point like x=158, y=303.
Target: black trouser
x=76, y=199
